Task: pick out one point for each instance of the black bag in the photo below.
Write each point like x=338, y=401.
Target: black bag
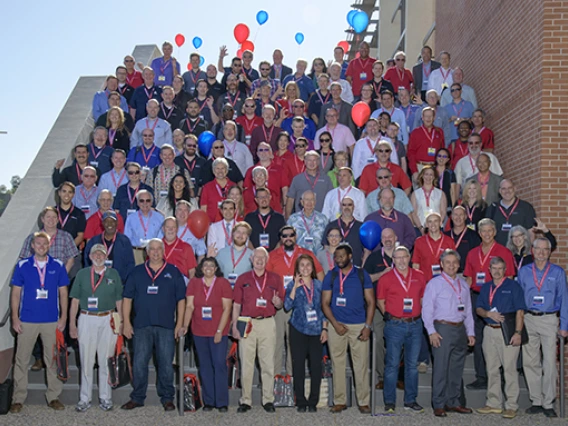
x=119, y=367
x=6, y=390
x=191, y=393
x=60, y=356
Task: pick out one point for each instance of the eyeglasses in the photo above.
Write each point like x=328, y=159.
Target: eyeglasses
x=218, y=147
x=383, y=177
x=128, y=60
x=288, y=235
x=147, y=136
x=298, y=106
x=191, y=146
x=334, y=236
x=265, y=197
x=382, y=151
x=455, y=90
x=346, y=205
x=301, y=146
x=133, y=172
x=145, y=200
x=249, y=106
x=263, y=149
x=325, y=140
x=265, y=69
x=400, y=60
x=442, y=156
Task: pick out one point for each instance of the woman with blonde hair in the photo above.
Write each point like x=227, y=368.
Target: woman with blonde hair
x=118, y=134
x=473, y=202
x=427, y=198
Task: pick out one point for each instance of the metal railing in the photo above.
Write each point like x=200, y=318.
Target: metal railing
x=562, y=379
x=181, y=345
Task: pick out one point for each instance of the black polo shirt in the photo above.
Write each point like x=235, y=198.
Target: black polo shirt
x=216, y=89
x=377, y=263
x=195, y=127
x=469, y=241
x=275, y=222
x=126, y=91
x=72, y=220
x=194, y=168
x=172, y=115
x=518, y=214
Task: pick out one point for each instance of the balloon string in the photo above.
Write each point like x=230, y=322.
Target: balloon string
x=257, y=30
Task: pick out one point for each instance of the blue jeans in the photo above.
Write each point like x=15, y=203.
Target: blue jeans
x=399, y=335
x=147, y=339
x=213, y=370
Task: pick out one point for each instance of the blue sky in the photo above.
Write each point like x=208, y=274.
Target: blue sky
x=48, y=45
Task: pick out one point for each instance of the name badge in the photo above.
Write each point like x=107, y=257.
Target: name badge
x=207, y=313
x=41, y=294
x=493, y=310
x=431, y=152
x=371, y=160
x=130, y=211
x=261, y=302
x=288, y=279
x=506, y=227
x=152, y=289
x=143, y=242
x=161, y=78
x=461, y=307
x=94, y=163
x=219, y=204
x=193, y=181
x=146, y=170
x=480, y=278
x=235, y=115
x=108, y=263
x=436, y=270
x=247, y=139
x=407, y=304
x=232, y=279
x=363, y=76
x=444, y=86
x=201, y=116
x=309, y=241
x=92, y=303
x=471, y=226
x=311, y=316
x=341, y=301
x=86, y=209
x=264, y=240
x=163, y=194
x=538, y=300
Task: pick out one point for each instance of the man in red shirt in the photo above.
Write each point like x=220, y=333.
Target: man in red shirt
x=429, y=247
x=424, y=142
x=487, y=136
x=177, y=252
x=133, y=76
x=476, y=273
x=95, y=222
x=258, y=294
x=399, y=298
x=249, y=121
x=398, y=75
x=282, y=262
x=360, y=69
x=460, y=148
x=368, y=180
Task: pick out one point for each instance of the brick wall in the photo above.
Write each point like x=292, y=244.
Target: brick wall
x=515, y=55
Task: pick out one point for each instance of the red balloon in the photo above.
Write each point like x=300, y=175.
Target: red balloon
x=247, y=45
x=198, y=223
x=189, y=66
x=240, y=53
x=241, y=32
x=180, y=40
x=343, y=44
x=358, y=55
x=360, y=113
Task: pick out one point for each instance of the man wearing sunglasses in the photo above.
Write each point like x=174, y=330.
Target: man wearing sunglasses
x=125, y=199
x=299, y=106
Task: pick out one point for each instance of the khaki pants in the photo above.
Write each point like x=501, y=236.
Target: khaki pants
x=26, y=342
x=541, y=373
x=261, y=341
x=96, y=338
x=360, y=360
x=498, y=354
x=282, y=340
x=139, y=256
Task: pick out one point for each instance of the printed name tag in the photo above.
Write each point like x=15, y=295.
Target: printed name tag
x=431, y=152
x=152, y=289
x=193, y=181
x=480, y=278
x=311, y=316
x=94, y=163
x=261, y=303
x=161, y=78
x=86, y=209
x=144, y=243
x=163, y=194
x=371, y=160
x=145, y=169
x=232, y=279
x=309, y=241
x=41, y=294
x=407, y=304
x=363, y=76
x=207, y=313
x=247, y=139
x=461, y=307
x=471, y=226
x=108, y=263
x=436, y=270
x=264, y=240
x=92, y=303
x=538, y=300
x=506, y=227
x=341, y=301
x=287, y=280
x=130, y=211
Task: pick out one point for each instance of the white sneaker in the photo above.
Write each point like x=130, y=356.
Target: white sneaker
x=105, y=405
x=82, y=406
x=422, y=368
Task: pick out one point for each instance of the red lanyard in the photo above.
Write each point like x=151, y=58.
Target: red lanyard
x=166, y=177
x=168, y=253
x=120, y=179
x=168, y=115
x=426, y=71
x=384, y=260
x=92, y=192
x=484, y=260
x=346, y=233
x=427, y=196
x=41, y=272
x=164, y=65
x=327, y=157
x=249, y=129
x=339, y=198
x=446, y=75
x=267, y=138
x=78, y=170
x=430, y=135
x=228, y=237
x=520, y=263
x=315, y=179
x=131, y=199
x=222, y=191
x=239, y=259
x=147, y=157
x=470, y=213
x=342, y=279
x=540, y=283
x=329, y=260
x=261, y=290
x=492, y=292
x=371, y=148
x=150, y=94
x=109, y=249
x=187, y=165
x=154, y=125
x=309, y=293
x=96, y=154
x=300, y=168
x=434, y=253
x=227, y=147
x=458, y=242
x=322, y=100
x=206, y=292
x=286, y=257
x=93, y=285
x=404, y=282
x=400, y=74
x=61, y=221
x=153, y=277
x=462, y=103
x=458, y=294
x=388, y=217
x=189, y=128
x=233, y=101
x=508, y=216
x=262, y=222
x=378, y=89
x=308, y=228
x=144, y=227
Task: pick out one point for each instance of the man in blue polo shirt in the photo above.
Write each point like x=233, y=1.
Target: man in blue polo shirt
x=497, y=298
x=156, y=291
x=39, y=307
x=349, y=305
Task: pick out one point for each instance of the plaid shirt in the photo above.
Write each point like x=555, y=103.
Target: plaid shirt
x=61, y=247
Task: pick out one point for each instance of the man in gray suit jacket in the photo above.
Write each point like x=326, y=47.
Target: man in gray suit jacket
x=279, y=70
x=421, y=71
x=487, y=178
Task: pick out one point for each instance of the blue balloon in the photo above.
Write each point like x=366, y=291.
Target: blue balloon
x=197, y=42
x=299, y=38
x=262, y=17
x=360, y=22
x=205, y=142
x=350, y=16
x=201, y=61
x=370, y=234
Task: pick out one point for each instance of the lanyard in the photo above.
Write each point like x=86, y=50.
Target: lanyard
x=262, y=222
x=149, y=94
x=313, y=185
x=108, y=249
x=430, y=135
x=470, y=213
x=228, y=237
x=404, y=282
x=378, y=89
x=492, y=292
x=434, y=253
x=520, y=263
x=345, y=234
x=309, y=293
x=234, y=100
x=462, y=103
x=144, y=227
x=388, y=217
x=458, y=242
x=322, y=100
x=286, y=257
x=41, y=272
x=484, y=260
x=300, y=168
x=61, y=221
x=235, y=264
x=153, y=277
x=327, y=157
x=189, y=128
x=261, y=290
x=329, y=259
x=120, y=179
x=222, y=191
x=154, y=125
x=92, y=192
x=339, y=197
x=458, y=294
x=508, y=216
x=164, y=65
x=428, y=70
x=149, y=156
x=371, y=147
x=187, y=163
x=384, y=260
x=133, y=197
x=342, y=279
x=93, y=285
x=427, y=196
x=169, y=252
x=206, y=292
x=446, y=75
x=537, y=283
x=96, y=154
x=249, y=129
x=308, y=228
x=267, y=138
x=166, y=176
x=78, y=170
x=169, y=114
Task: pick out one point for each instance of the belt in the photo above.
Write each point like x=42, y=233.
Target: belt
x=425, y=163
x=405, y=319
x=261, y=318
x=540, y=314
x=97, y=314
x=139, y=248
x=493, y=325
x=454, y=324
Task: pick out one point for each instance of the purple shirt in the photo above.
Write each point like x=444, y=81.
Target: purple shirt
x=163, y=71
x=440, y=303
x=399, y=223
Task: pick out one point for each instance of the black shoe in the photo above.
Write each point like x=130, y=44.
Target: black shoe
x=312, y=409
x=208, y=408
x=269, y=407
x=390, y=408
x=477, y=385
x=223, y=409
x=413, y=406
x=534, y=409
x=301, y=409
x=549, y=412
x=169, y=406
x=243, y=408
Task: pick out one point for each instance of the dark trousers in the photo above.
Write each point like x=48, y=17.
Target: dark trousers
x=478, y=357
x=213, y=370
x=448, y=364
x=303, y=346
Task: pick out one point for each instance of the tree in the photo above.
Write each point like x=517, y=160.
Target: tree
x=15, y=182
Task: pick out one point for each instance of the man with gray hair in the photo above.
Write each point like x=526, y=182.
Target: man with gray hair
x=334, y=71
x=143, y=225
x=308, y=223
x=99, y=152
x=235, y=150
x=162, y=129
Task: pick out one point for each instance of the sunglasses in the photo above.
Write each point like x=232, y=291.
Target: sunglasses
x=400, y=60
x=133, y=172
x=298, y=106
x=218, y=147
x=191, y=146
x=325, y=140
x=263, y=149
x=383, y=177
x=346, y=205
x=128, y=60
x=288, y=235
x=148, y=136
x=442, y=156
x=250, y=106
x=455, y=90
x=89, y=176
x=334, y=236
x=382, y=151
x=146, y=200
x=301, y=146
x=265, y=69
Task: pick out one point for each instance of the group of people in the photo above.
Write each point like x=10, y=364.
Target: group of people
x=288, y=183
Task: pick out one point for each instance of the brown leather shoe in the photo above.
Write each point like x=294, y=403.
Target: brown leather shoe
x=364, y=409
x=56, y=405
x=38, y=365
x=440, y=412
x=169, y=406
x=459, y=409
x=338, y=408
x=130, y=405
x=380, y=384
x=16, y=408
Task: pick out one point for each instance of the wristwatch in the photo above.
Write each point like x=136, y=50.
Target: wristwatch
x=218, y=331
x=518, y=332
x=368, y=326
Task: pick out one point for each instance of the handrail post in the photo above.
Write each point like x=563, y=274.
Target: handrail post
x=373, y=374
x=181, y=344
x=562, y=385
